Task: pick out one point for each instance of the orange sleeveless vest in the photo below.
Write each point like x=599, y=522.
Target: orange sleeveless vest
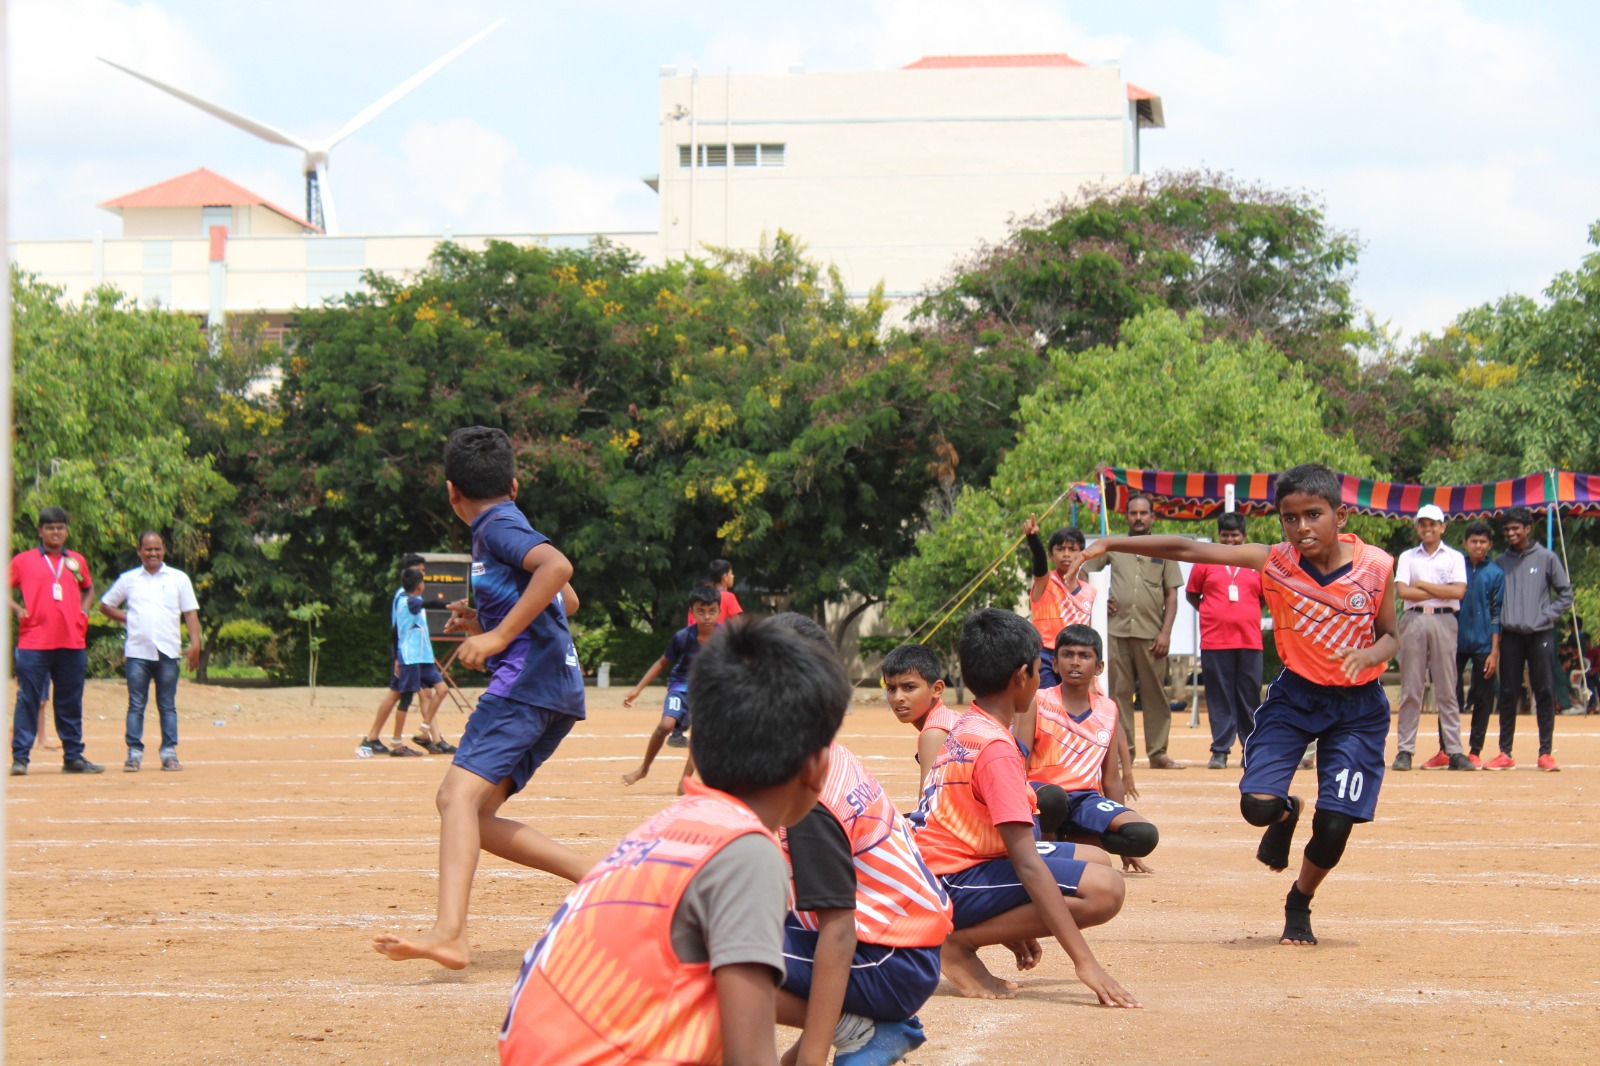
x=1310, y=622
x=950, y=826
x=899, y=903
x=1057, y=608
x=1069, y=754
x=603, y=984
x=943, y=716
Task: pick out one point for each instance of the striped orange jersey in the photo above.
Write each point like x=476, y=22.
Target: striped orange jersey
x=943, y=716
x=603, y=984
x=951, y=825
x=1058, y=607
x=1069, y=754
x=899, y=903
x=1310, y=622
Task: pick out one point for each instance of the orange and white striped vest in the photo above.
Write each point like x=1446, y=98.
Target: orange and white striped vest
x=899, y=903
x=1069, y=754
x=951, y=826
x=1310, y=622
x=603, y=984
x=943, y=716
x=1058, y=607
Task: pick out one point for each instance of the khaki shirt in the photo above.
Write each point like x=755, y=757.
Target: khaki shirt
x=1138, y=587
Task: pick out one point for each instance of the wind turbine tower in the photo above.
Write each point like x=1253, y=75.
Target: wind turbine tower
x=319, y=193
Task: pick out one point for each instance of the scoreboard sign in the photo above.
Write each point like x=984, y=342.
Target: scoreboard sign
x=448, y=580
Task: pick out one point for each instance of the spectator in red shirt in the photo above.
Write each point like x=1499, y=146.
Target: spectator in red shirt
x=1229, y=601
x=53, y=622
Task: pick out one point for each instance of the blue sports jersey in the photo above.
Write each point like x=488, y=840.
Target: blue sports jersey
x=412, y=643
x=540, y=666
x=681, y=650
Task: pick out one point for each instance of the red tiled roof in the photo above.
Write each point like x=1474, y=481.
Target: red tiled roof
x=1046, y=59
x=1139, y=92
x=198, y=188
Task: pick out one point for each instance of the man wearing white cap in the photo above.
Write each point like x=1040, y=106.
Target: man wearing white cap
x=1431, y=580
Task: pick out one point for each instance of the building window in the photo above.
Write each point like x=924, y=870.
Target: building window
x=215, y=216
x=744, y=155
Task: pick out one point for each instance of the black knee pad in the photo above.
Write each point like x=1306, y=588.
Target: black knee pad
x=1135, y=840
x=1053, y=808
x=1258, y=811
x=405, y=702
x=1330, y=831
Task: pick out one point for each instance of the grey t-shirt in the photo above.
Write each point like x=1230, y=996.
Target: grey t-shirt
x=733, y=910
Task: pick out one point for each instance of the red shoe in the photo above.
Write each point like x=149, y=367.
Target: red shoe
x=1548, y=762
x=1438, y=762
x=1477, y=763
x=1500, y=762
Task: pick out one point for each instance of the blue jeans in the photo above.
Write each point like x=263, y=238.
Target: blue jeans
x=61, y=669
x=165, y=673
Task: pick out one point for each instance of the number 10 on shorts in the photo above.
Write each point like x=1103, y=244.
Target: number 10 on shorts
x=1353, y=781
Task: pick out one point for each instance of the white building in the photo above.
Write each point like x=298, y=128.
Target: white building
x=892, y=175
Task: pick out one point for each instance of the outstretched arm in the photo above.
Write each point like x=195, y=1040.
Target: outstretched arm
x=1182, y=549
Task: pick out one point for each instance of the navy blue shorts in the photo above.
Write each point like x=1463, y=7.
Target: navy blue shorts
x=886, y=984
x=428, y=675
x=980, y=892
x=676, y=705
x=1350, y=726
x=1047, y=669
x=1088, y=812
x=507, y=738
x=414, y=677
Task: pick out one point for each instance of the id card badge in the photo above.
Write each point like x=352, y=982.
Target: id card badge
x=55, y=590
x=1233, y=593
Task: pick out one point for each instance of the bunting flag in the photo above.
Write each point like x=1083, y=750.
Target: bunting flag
x=1197, y=496
x=1088, y=494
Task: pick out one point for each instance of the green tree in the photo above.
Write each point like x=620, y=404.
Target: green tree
x=1165, y=397
x=99, y=406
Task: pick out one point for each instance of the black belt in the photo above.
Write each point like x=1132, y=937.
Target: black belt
x=1431, y=610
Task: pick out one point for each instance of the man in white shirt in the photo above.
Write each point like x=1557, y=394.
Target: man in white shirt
x=1431, y=579
x=156, y=596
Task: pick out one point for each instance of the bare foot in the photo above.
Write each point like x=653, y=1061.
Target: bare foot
x=1028, y=953
x=970, y=976
x=449, y=952
x=635, y=776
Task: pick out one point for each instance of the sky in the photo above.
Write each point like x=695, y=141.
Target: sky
x=1458, y=139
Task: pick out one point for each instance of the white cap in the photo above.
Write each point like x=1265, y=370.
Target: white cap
x=1429, y=510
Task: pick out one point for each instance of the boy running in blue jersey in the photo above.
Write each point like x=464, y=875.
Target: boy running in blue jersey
x=535, y=695
x=705, y=606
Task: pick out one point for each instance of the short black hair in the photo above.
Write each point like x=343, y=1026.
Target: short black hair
x=1230, y=522
x=765, y=699
x=53, y=516
x=718, y=570
x=912, y=659
x=480, y=462
x=1520, y=515
x=411, y=579
x=1479, y=528
x=994, y=643
x=705, y=594
x=806, y=627
x=410, y=559
x=1137, y=495
x=156, y=533
x=1313, y=479
x=1078, y=636
x=1067, y=535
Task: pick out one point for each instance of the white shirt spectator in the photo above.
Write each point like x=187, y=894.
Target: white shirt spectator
x=156, y=605
x=1445, y=566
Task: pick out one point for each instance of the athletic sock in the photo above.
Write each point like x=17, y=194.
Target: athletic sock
x=1297, y=916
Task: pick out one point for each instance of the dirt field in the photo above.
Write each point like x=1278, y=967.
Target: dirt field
x=222, y=915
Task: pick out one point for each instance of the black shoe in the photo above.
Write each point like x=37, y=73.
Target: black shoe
x=377, y=747
x=1219, y=761
x=443, y=747
x=19, y=768
x=677, y=739
x=1402, y=761
x=81, y=766
x=1459, y=761
x=401, y=751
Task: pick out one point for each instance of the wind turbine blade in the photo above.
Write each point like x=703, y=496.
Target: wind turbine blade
x=383, y=103
x=233, y=118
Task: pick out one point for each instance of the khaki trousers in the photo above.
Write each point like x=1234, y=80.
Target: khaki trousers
x=1131, y=664
x=1428, y=649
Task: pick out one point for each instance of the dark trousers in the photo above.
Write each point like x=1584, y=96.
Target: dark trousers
x=1480, y=692
x=1537, y=652
x=61, y=669
x=1232, y=679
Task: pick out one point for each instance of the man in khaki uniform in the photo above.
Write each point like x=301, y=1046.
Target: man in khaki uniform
x=1140, y=612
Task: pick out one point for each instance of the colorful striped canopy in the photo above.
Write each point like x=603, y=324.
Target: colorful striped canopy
x=1196, y=496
